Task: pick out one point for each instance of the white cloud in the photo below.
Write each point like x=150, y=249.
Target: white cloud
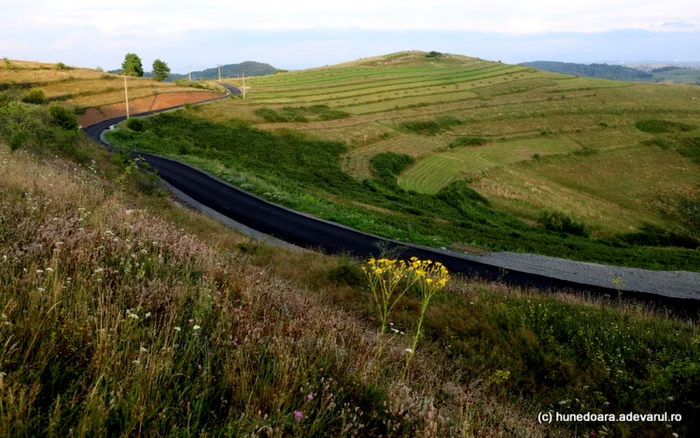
x=174, y=17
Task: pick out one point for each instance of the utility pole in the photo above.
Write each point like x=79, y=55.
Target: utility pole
x=219, y=73
x=189, y=73
x=243, y=85
x=126, y=97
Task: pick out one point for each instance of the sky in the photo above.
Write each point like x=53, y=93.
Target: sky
x=309, y=33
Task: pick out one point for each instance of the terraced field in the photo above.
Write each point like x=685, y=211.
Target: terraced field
x=439, y=170
x=521, y=112
x=81, y=88
x=453, y=151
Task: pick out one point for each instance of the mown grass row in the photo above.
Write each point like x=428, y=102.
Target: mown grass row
x=392, y=83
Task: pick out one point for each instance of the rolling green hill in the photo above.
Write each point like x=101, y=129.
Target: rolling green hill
x=456, y=151
x=124, y=313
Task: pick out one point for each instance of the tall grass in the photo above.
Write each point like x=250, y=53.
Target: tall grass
x=114, y=321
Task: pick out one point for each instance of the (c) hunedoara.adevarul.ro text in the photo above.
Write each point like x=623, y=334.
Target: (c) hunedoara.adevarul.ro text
x=549, y=417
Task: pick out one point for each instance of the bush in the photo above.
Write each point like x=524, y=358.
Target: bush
x=63, y=117
x=62, y=66
x=390, y=164
x=468, y=141
x=11, y=94
x=562, y=222
x=136, y=125
x=433, y=54
x=430, y=127
x=333, y=115
x=35, y=96
x=662, y=126
x=650, y=235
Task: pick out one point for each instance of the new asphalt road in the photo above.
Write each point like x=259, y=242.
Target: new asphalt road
x=680, y=290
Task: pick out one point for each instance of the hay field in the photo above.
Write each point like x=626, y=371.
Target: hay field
x=80, y=88
x=519, y=110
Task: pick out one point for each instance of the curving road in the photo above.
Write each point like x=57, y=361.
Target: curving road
x=680, y=290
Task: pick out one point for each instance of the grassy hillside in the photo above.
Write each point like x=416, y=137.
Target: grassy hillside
x=124, y=313
x=77, y=88
x=444, y=125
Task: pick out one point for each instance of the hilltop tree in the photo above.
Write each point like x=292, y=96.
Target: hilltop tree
x=161, y=71
x=132, y=65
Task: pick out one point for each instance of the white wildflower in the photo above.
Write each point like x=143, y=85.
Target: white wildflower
x=2, y=374
x=40, y=289
x=409, y=350
x=148, y=314
x=196, y=327
x=39, y=271
x=49, y=269
x=99, y=270
x=143, y=350
x=177, y=329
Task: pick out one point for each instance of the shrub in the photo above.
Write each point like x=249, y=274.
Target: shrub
x=390, y=164
x=468, y=141
x=661, y=142
x=62, y=66
x=690, y=147
x=430, y=127
x=136, y=125
x=562, y=222
x=433, y=54
x=333, y=115
x=63, y=117
x=35, y=96
x=650, y=235
x=11, y=94
x=654, y=126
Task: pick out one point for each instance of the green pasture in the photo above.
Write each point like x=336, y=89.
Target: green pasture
x=433, y=173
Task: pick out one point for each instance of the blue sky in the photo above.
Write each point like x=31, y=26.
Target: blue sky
x=308, y=33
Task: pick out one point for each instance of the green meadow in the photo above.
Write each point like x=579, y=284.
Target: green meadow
x=317, y=139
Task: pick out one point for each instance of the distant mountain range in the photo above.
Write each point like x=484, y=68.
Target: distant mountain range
x=672, y=74
x=249, y=68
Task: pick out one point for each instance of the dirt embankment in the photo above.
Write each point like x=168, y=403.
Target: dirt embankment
x=159, y=101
